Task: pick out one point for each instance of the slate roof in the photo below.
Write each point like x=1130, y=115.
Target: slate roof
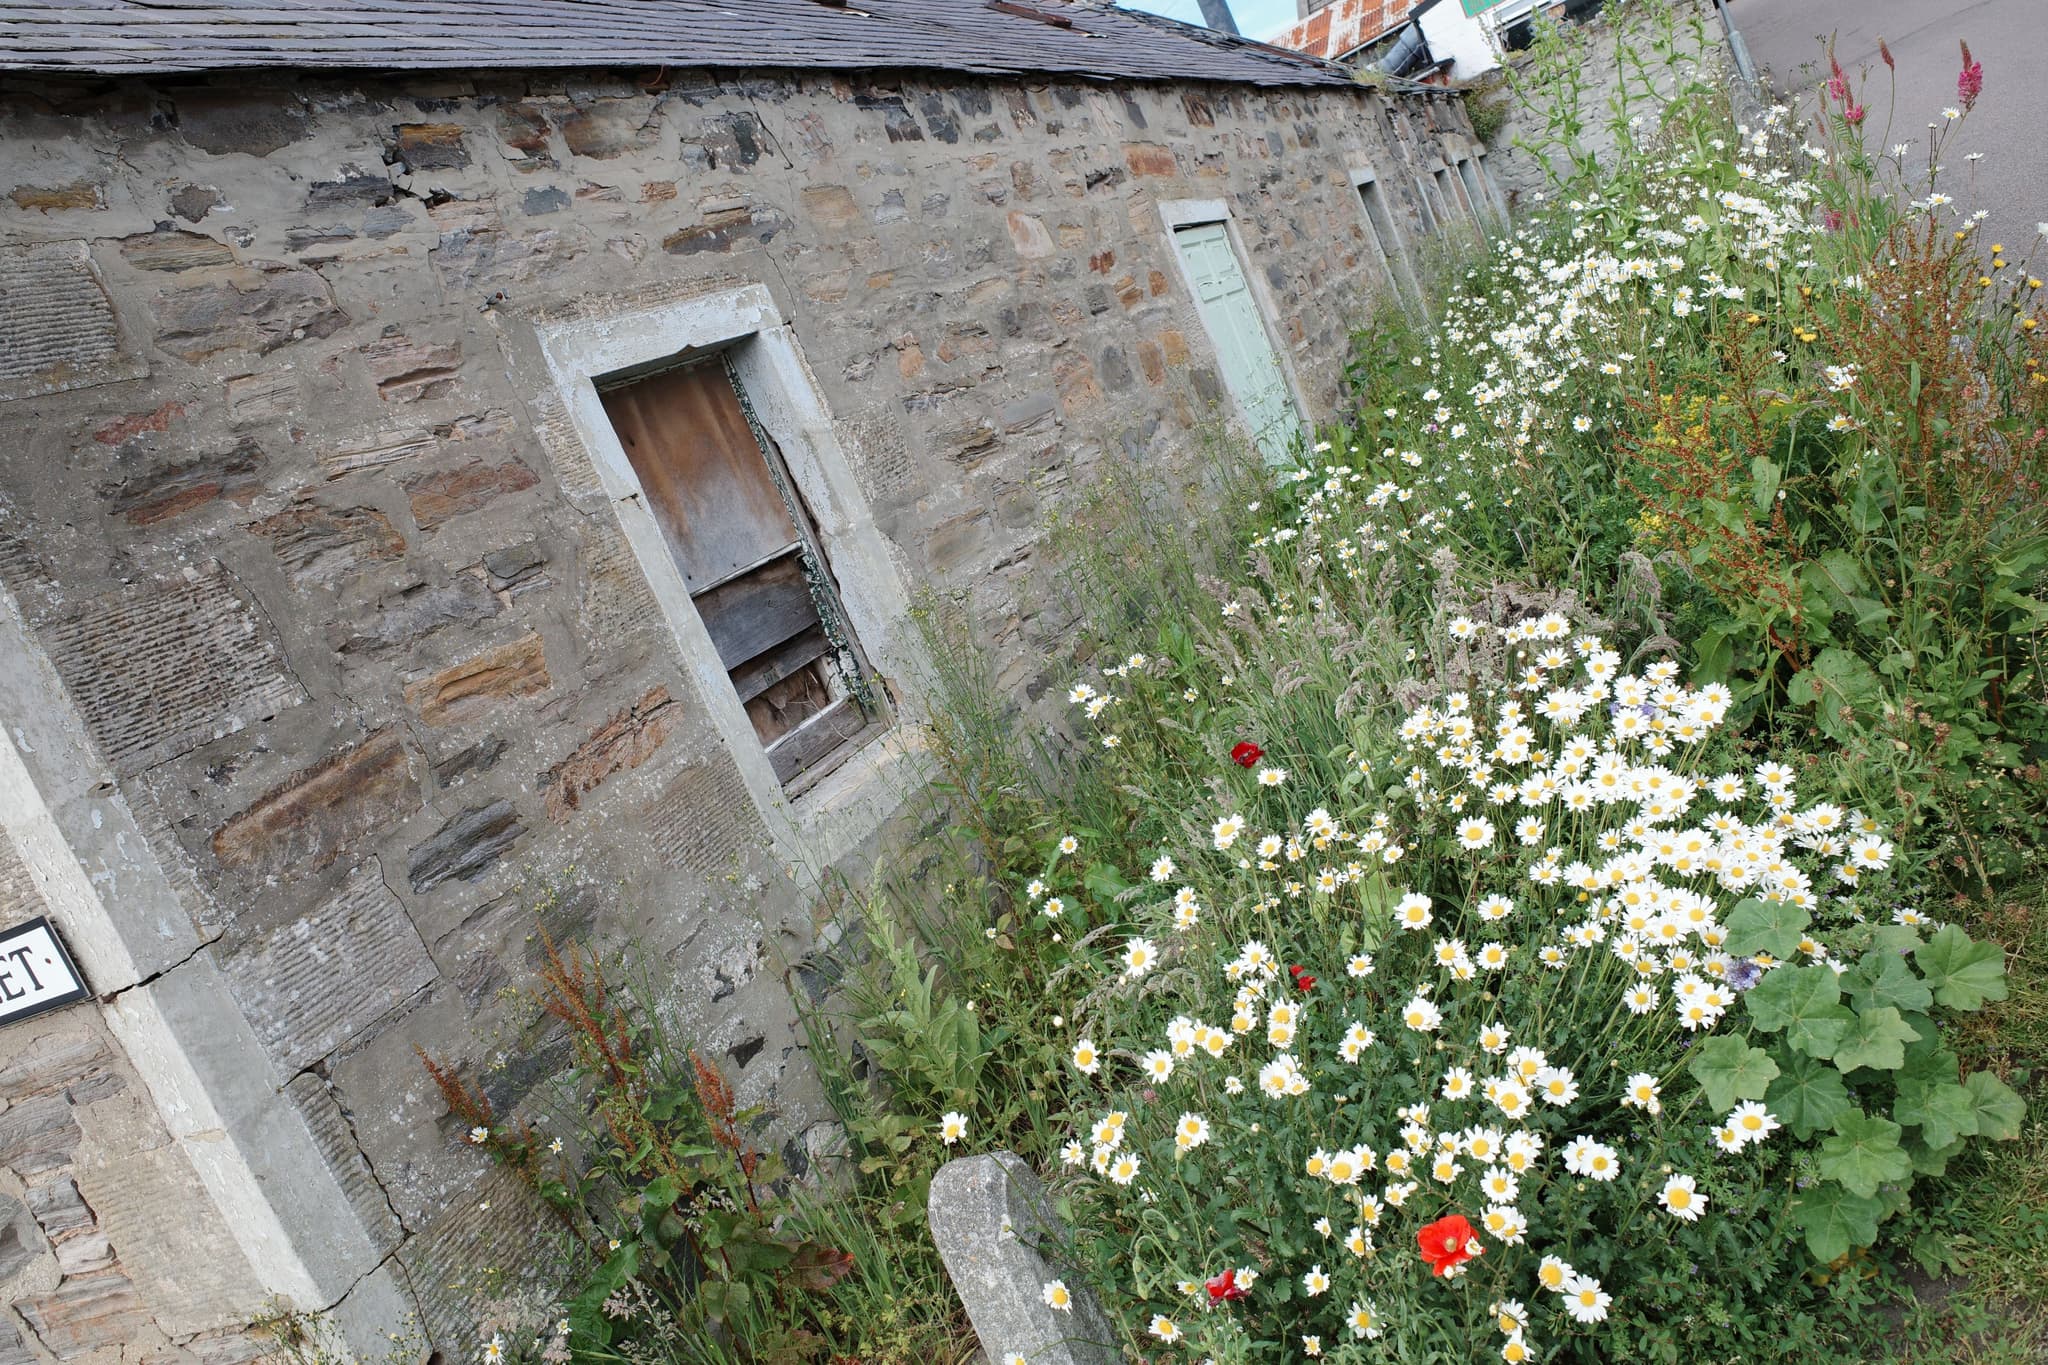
x=984, y=37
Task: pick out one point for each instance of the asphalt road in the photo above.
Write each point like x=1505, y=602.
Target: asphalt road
x=2009, y=124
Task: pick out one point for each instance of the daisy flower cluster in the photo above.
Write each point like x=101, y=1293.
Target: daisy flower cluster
x=1549, y=341
x=1465, y=995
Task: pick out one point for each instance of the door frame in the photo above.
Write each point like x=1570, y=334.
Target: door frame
x=1187, y=213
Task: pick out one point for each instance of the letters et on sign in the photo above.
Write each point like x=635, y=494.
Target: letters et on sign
x=36, y=974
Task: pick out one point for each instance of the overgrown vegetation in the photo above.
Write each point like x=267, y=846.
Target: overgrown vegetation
x=1744, y=404
x=1488, y=104
x=1554, y=875
x=686, y=1241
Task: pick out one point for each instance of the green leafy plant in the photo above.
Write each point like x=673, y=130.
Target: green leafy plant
x=1857, y=1056
x=929, y=1042
x=682, y=1221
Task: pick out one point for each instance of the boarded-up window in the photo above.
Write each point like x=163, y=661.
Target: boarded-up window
x=749, y=555
x=1486, y=181
x=1475, y=190
x=1447, y=201
x=1451, y=192
x=1379, y=232
x=1424, y=193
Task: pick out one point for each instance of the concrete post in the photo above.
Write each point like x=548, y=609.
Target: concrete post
x=997, y=1232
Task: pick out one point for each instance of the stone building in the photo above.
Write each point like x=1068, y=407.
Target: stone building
x=471, y=463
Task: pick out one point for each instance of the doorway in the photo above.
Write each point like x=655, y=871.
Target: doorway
x=1244, y=348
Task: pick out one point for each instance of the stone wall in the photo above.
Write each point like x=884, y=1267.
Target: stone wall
x=1673, y=42
x=357, y=660
x=90, y=1185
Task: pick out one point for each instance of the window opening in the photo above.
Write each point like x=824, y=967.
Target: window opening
x=739, y=531
x=1379, y=229
x=1446, y=192
x=1423, y=196
x=1475, y=194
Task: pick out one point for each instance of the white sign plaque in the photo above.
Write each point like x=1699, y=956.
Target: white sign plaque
x=36, y=974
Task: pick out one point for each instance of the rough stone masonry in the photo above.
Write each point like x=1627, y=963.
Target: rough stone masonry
x=330, y=669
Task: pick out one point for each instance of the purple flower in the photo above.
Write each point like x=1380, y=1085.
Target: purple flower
x=1743, y=973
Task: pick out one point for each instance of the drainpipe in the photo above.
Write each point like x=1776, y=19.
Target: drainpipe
x=1216, y=14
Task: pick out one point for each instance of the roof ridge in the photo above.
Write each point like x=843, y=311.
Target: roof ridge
x=967, y=36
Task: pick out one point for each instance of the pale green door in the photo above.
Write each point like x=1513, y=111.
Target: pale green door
x=1251, y=367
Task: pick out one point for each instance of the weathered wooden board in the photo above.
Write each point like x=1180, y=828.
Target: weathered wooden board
x=701, y=470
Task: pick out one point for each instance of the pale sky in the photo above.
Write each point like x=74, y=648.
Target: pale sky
x=1255, y=18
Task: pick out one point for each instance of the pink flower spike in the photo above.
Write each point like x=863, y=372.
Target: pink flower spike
x=1970, y=83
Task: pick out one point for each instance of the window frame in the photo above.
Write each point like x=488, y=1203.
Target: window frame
x=1393, y=257
x=1429, y=210
x=1465, y=170
x=824, y=818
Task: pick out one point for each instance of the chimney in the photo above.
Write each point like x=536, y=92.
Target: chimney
x=1216, y=14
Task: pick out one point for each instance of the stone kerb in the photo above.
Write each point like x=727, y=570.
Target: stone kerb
x=990, y=1217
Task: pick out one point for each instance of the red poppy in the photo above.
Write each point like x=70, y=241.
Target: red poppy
x=1224, y=1288
x=1444, y=1243
x=1246, y=753
x=1303, y=982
